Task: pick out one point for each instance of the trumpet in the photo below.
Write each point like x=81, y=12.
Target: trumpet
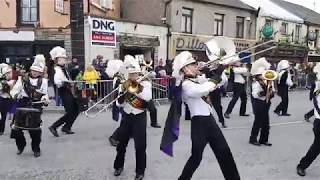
x=270, y=76
x=131, y=88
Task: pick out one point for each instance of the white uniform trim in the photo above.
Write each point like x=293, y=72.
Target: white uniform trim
x=19, y=90
x=239, y=72
x=59, y=77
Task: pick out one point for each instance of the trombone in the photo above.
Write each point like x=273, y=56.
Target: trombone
x=131, y=88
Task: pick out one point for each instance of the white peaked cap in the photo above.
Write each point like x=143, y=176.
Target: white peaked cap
x=113, y=67
x=57, y=52
x=180, y=61
x=131, y=64
x=39, y=58
x=283, y=64
x=4, y=68
x=259, y=64
x=37, y=66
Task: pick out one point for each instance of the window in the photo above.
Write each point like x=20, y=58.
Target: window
x=317, y=37
x=284, y=28
x=28, y=11
x=218, y=24
x=298, y=33
x=269, y=22
x=240, y=27
x=106, y=4
x=186, y=22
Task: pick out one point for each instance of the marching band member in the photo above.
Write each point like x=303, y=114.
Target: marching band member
x=314, y=149
x=133, y=123
x=239, y=90
x=151, y=106
x=284, y=83
x=204, y=130
x=261, y=103
x=5, y=98
x=61, y=78
x=31, y=88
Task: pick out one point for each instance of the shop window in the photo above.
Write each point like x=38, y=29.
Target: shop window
x=218, y=24
x=186, y=21
x=239, y=27
x=284, y=28
x=298, y=33
x=27, y=11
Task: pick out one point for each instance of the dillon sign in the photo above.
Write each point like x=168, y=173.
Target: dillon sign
x=197, y=43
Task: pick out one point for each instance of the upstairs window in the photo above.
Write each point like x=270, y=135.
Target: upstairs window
x=284, y=28
x=240, y=27
x=218, y=24
x=28, y=11
x=186, y=21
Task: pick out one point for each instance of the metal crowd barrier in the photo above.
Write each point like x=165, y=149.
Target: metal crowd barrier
x=96, y=91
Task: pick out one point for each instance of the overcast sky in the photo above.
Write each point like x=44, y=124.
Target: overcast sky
x=312, y=4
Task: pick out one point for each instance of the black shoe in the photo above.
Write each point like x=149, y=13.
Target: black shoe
x=20, y=151
x=223, y=125
x=155, y=126
x=285, y=114
x=277, y=112
x=53, y=131
x=37, y=154
x=226, y=115
x=67, y=131
x=117, y=172
x=1, y=133
x=244, y=115
x=266, y=143
x=254, y=143
x=306, y=118
x=300, y=171
x=139, y=177
x=113, y=142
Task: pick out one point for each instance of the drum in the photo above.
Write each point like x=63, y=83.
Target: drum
x=27, y=119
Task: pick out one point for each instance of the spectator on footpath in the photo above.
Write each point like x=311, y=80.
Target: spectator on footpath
x=168, y=67
x=74, y=68
x=97, y=61
x=159, y=68
x=91, y=77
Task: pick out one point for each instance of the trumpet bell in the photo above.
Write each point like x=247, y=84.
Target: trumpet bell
x=148, y=63
x=270, y=75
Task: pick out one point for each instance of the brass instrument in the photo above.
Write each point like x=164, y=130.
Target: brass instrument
x=131, y=88
x=148, y=63
x=270, y=76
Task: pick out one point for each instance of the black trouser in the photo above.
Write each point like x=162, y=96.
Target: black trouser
x=309, y=114
x=205, y=130
x=132, y=126
x=215, y=97
x=314, y=150
x=5, y=105
x=35, y=136
x=239, y=90
x=153, y=112
x=283, y=106
x=261, y=121
x=187, y=115
x=71, y=108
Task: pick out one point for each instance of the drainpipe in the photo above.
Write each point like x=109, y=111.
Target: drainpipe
x=168, y=26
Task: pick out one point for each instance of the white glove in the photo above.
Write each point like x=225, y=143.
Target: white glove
x=202, y=78
x=45, y=100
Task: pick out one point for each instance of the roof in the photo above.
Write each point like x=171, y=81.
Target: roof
x=306, y=14
x=230, y=3
x=273, y=10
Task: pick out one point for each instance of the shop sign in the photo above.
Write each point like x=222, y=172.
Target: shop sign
x=103, y=32
x=197, y=43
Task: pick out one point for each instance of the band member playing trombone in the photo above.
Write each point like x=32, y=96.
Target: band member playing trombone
x=27, y=90
x=61, y=78
x=135, y=94
x=262, y=91
x=284, y=83
x=204, y=130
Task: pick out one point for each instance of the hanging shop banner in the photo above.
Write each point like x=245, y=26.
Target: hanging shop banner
x=103, y=32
